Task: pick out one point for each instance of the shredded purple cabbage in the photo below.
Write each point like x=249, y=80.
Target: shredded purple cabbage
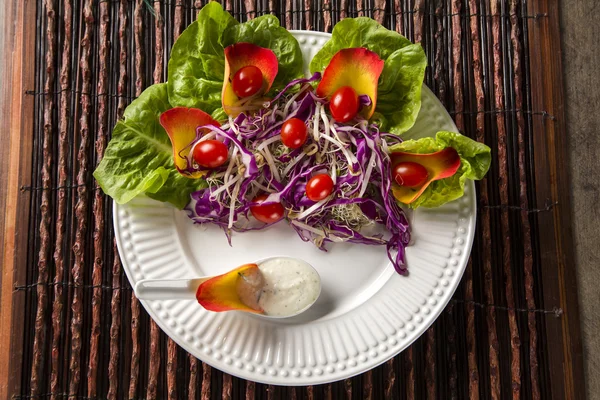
x=355, y=156
x=364, y=100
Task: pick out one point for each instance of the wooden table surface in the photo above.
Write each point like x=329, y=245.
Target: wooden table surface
x=17, y=41
x=582, y=99
x=16, y=76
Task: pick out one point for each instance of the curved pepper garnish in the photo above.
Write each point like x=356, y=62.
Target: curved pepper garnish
x=233, y=290
x=358, y=68
x=439, y=165
x=241, y=55
x=181, y=124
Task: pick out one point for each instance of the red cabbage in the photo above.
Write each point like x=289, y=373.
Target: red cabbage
x=354, y=155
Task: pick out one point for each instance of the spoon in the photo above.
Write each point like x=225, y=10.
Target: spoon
x=276, y=287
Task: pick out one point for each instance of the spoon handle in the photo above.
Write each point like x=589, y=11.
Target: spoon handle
x=167, y=289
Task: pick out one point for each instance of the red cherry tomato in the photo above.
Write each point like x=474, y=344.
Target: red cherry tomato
x=410, y=174
x=210, y=153
x=293, y=133
x=319, y=187
x=268, y=213
x=344, y=104
x=247, y=81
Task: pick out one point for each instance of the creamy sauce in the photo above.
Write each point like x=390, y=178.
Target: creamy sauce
x=287, y=287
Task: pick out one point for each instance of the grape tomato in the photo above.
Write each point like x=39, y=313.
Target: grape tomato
x=247, y=81
x=268, y=213
x=319, y=187
x=410, y=174
x=344, y=104
x=210, y=153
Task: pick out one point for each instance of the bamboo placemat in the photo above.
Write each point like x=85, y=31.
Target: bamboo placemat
x=77, y=331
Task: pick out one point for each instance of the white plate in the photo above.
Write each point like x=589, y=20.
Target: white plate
x=366, y=313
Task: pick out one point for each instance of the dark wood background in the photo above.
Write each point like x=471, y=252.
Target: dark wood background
x=70, y=326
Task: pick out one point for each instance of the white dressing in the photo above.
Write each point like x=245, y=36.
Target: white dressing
x=289, y=286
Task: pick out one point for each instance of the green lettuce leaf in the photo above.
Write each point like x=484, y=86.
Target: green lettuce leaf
x=475, y=160
x=399, y=89
x=197, y=63
x=265, y=32
x=139, y=158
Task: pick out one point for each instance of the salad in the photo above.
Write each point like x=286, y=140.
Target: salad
x=241, y=139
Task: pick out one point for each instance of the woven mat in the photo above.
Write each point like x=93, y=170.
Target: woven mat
x=85, y=335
